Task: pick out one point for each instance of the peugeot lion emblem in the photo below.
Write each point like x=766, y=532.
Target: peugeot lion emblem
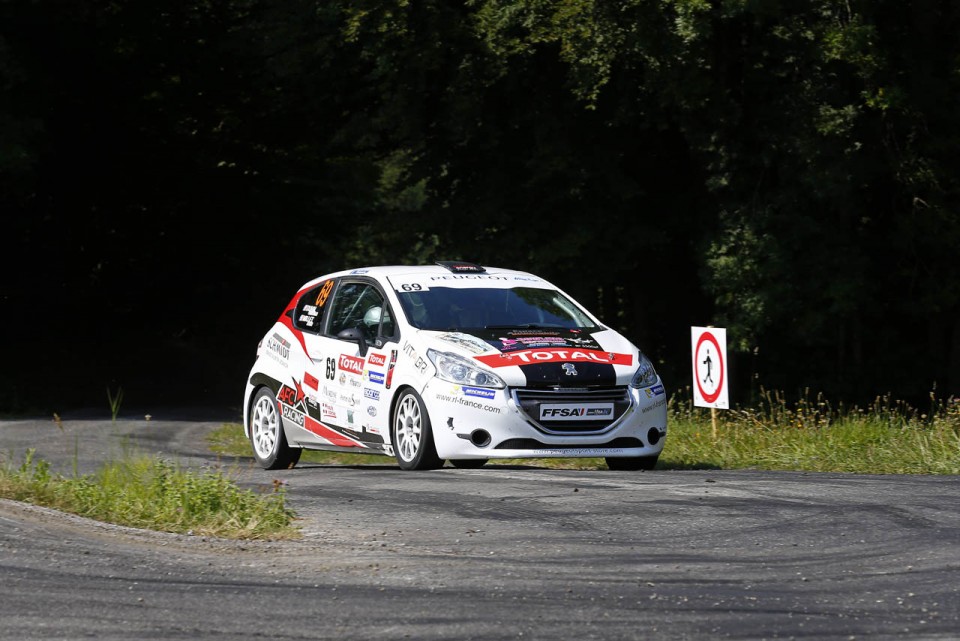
x=570, y=369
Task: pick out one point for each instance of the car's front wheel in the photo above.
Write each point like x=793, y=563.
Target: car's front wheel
x=412, y=436
x=632, y=462
x=266, y=434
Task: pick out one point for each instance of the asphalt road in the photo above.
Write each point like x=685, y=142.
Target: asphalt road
x=513, y=552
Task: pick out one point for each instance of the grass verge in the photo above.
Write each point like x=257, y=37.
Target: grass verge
x=886, y=437
x=153, y=493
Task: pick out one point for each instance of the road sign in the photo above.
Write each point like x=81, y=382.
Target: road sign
x=709, y=345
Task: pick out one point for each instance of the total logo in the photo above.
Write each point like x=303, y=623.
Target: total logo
x=377, y=360
x=351, y=364
x=528, y=356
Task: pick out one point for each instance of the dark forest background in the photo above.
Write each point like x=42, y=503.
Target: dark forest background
x=170, y=173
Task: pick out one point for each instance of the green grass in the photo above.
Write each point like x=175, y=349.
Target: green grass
x=153, y=493
x=886, y=437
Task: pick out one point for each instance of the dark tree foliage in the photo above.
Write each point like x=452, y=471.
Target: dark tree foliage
x=169, y=174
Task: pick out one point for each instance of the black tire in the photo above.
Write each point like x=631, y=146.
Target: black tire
x=412, y=435
x=266, y=434
x=468, y=463
x=632, y=462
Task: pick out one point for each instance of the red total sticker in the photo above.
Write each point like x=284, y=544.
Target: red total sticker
x=532, y=356
x=351, y=364
x=711, y=397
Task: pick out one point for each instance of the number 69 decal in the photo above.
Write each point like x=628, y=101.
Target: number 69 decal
x=324, y=293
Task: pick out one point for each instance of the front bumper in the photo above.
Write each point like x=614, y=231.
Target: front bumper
x=488, y=424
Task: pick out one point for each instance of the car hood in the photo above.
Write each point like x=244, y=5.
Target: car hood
x=585, y=357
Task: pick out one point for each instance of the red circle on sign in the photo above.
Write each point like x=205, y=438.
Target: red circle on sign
x=709, y=398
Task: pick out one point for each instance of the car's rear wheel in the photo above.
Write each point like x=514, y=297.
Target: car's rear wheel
x=270, y=446
x=412, y=436
x=468, y=463
x=632, y=462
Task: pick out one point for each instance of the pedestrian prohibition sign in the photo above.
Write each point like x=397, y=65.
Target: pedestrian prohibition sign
x=709, y=346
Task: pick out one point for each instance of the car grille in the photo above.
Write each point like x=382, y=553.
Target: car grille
x=531, y=401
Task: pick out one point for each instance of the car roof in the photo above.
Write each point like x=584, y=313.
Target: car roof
x=419, y=270
x=453, y=276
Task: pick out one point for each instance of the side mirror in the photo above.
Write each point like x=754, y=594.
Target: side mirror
x=354, y=335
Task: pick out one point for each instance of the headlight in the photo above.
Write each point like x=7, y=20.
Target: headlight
x=646, y=375
x=459, y=370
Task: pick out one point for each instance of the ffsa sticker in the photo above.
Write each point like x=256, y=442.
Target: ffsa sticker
x=586, y=412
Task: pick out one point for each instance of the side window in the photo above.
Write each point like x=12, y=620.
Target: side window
x=356, y=305
x=308, y=315
x=388, y=329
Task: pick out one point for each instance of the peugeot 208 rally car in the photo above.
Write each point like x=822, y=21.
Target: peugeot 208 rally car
x=451, y=361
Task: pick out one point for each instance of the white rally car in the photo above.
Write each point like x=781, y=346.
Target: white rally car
x=451, y=361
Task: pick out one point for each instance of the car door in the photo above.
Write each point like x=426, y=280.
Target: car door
x=356, y=346
x=304, y=391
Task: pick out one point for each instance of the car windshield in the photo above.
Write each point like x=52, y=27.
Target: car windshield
x=448, y=308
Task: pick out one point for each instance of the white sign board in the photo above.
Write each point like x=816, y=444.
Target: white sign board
x=709, y=345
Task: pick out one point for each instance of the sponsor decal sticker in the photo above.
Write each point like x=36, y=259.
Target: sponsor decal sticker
x=459, y=400
x=582, y=451
x=377, y=360
x=393, y=363
x=466, y=341
x=291, y=395
x=656, y=390
x=531, y=341
x=654, y=405
x=279, y=346
x=375, y=377
x=587, y=411
x=372, y=394
x=479, y=392
x=310, y=380
x=418, y=362
x=292, y=415
x=468, y=277
x=371, y=410
x=530, y=356
x=352, y=364
x=328, y=411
